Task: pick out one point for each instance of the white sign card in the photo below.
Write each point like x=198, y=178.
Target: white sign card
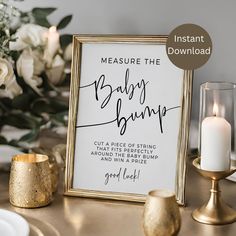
x=129, y=115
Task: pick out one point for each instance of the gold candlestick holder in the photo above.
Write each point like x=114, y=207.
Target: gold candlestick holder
x=216, y=211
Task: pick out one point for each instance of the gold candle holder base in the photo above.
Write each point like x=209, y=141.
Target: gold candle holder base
x=216, y=211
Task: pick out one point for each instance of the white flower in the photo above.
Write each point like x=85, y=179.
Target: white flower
x=12, y=89
x=56, y=74
x=8, y=79
x=52, y=45
x=6, y=71
x=29, y=66
x=29, y=35
x=68, y=53
x=39, y=63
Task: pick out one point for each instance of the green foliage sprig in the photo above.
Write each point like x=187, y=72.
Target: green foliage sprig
x=7, y=12
x=29, y=110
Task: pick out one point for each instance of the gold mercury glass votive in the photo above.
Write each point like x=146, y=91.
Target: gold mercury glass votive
x=30, y=181
x=161, y=214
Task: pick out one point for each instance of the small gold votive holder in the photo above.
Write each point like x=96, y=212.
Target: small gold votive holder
x=30, y=181
x=161, y=214
x=53, y=165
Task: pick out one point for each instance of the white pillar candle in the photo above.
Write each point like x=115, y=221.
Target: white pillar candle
x=215, y=144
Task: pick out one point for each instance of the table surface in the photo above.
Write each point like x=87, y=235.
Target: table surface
x=88, y=217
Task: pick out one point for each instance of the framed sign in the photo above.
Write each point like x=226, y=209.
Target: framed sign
x=128, y=119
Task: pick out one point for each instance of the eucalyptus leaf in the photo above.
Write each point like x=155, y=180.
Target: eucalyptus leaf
x=59, y=106
x=5, y=104
x=15, y=143
x=60, y=117
x=65, y=39
x=42, y=105
x=22, y=101
x=31, y=136
x=20, y=121
x=42, y=22
x=42, y=12
x=47, y=85
x=64, y=22
x=3, y=140
x=40, y=15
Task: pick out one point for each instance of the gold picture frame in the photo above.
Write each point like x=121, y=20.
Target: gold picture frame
x=183, y=129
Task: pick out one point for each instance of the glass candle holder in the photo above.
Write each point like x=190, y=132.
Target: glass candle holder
x=217, y=125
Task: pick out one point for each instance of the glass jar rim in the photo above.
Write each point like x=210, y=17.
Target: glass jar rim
x=218, y=85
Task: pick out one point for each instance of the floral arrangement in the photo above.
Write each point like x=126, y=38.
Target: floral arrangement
x=34, y=72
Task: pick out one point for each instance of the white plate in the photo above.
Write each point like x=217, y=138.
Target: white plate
x=12, y=224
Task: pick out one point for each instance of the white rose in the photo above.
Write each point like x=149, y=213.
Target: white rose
x=68, y=53
x=56, y=74
x=39, y=63
x=8, y=79
x=12, y=89
x=29, y=65
x=29, y=35
x=6, y=71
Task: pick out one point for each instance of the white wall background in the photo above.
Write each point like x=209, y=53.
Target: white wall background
x=157, y=17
